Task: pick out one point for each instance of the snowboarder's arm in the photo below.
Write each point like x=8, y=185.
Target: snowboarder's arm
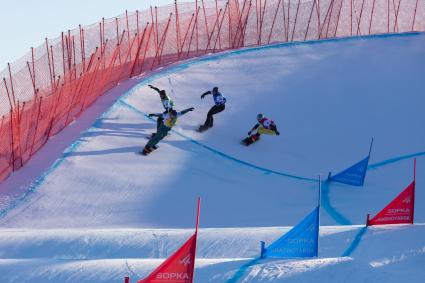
x=155, y=115
x=274, y=128
x=186, y=110
x=154, y=88
x=254, y=128
x=205, y=93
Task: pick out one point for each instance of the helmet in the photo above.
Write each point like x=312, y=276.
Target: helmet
x=162, y=93
x=215, y=89
x=260, y=116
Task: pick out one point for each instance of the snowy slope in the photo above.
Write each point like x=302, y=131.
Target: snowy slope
x=224, y=255
x=328, y=99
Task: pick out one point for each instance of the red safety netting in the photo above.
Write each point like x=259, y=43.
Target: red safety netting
x=52, y=85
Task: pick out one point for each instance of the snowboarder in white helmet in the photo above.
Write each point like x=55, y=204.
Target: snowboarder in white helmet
x=219, y=105
x=166, y=102
x=264, y=126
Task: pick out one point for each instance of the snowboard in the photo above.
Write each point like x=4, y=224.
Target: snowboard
x=248, y=141
x=145, y=153
x=202, y=129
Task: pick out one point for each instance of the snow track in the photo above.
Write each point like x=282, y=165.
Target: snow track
x=328, y=99
x=275, y=156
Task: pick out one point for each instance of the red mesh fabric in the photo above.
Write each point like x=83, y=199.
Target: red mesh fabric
x=52, y=85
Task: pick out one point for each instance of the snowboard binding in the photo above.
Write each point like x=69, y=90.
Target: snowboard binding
x=250, y=140
x=147, y=151
x=203, y=128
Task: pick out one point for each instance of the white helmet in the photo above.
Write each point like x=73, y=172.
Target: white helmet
x=260, y=116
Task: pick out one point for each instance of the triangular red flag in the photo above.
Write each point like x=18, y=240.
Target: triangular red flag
x=178, y=268
x=399, y=211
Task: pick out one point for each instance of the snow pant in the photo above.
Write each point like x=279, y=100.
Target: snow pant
x=159, y=121
x=158, y=136
x=209, y=122
x=263, y=131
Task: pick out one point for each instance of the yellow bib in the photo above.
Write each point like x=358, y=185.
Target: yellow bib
x=170, y=122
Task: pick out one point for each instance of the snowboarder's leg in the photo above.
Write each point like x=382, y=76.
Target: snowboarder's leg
x=150, y=143
x=218, y=109
x=209, y=122
x=154, y=141
x=209, y=119
x=162, y=132
x=264, y=131
x=159, y=121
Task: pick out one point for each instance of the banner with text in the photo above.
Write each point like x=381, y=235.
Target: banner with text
x=355, y=174
x=178, y=267
x=399, y=211
x=301, y=241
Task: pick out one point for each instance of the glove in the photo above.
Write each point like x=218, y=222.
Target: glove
x=249, y=133
x=191, y=109
x=277, y=133
x=202, y=96
x=151, y=86
x=150, y=115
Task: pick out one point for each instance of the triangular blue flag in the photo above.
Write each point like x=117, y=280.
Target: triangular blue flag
x=355, y=174
x=301, y=241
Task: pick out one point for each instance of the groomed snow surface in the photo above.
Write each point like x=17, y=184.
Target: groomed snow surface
x=102, y=211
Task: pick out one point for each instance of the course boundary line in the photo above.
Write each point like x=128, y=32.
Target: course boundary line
x=222, y=154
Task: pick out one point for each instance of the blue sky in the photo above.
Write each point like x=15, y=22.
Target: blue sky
x=25, y=23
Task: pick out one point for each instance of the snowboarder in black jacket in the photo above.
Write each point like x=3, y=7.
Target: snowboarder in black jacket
x=219, y=101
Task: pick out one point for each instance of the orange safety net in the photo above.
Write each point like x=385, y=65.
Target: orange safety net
x=52, y=85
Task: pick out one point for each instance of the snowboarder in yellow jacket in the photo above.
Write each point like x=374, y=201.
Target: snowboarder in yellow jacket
x=265, y=126
x=169, y=120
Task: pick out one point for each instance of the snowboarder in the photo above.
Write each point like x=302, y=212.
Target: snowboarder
x=169, y=120
x=166, y=102
x=264, y=126
x=219, y=101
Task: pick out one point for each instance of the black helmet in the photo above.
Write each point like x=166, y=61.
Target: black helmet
x=260, y=116
x=162, y=93
x=215, y=89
